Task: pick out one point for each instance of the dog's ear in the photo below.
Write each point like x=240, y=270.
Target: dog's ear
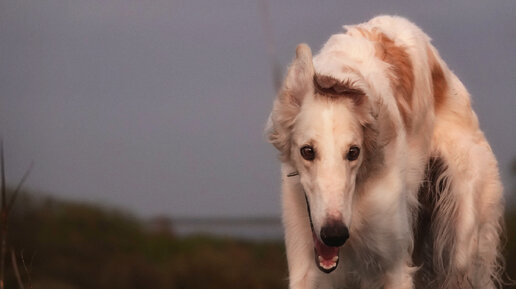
x=299, y=79
x=297, y=85
x=379, y=131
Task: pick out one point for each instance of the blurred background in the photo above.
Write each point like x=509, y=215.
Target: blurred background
x=144, y=123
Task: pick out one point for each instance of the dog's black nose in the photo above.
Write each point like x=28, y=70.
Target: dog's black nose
x=334, y=234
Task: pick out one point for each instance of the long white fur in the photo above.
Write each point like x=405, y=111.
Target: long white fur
x=380, y=206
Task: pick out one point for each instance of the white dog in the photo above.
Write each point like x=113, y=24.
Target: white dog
x=388, y=181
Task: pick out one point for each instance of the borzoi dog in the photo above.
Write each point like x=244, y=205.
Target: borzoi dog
x=388, y=181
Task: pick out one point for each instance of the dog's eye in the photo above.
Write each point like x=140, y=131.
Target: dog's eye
x=308, y=153
x=353, y=153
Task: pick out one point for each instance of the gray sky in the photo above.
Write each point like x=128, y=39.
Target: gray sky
x=158, y=106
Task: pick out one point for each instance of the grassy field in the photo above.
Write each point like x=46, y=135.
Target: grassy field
x=66, y=245
x=83, y=246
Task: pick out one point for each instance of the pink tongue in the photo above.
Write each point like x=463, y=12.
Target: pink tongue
x=326, y=252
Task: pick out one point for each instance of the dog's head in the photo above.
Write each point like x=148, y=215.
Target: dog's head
x=327, y=129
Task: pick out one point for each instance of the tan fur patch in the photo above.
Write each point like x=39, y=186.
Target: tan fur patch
x=438, y=81
x=402, y=74
x=334, y=88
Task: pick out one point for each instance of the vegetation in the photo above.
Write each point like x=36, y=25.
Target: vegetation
x=74, y=245
x=67, y=245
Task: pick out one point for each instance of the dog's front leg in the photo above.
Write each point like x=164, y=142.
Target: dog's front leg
x=383, y=239
x=400, y=277
x=298, y=236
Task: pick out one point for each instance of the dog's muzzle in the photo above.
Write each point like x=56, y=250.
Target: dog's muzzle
x=333, y=235
x=326, y=250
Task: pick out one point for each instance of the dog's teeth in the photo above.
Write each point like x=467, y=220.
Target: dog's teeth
x=320, y=259
x=334, y=259
x=328, y=267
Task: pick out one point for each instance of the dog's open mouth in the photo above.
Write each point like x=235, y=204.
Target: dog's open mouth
x=326, y=257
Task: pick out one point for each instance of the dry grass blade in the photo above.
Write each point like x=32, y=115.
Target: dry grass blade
x=2, y=172
x=16, y=271
x=3, y=218
x=28, y=270
x=18, y=187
